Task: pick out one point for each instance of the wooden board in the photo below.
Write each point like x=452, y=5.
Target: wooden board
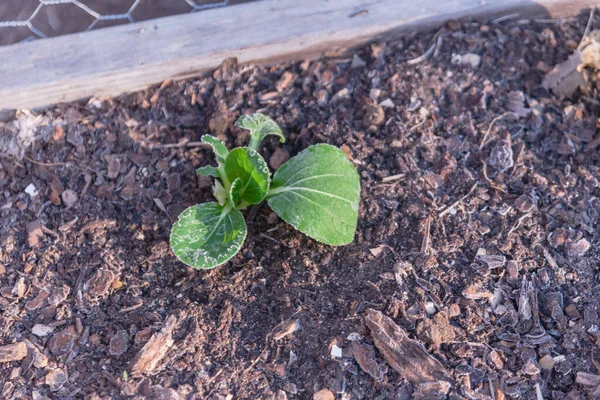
x=131, y=57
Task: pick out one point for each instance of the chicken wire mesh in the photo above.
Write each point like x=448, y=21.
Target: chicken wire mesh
x=24, y=20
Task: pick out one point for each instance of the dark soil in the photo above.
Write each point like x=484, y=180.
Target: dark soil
x=478, y=240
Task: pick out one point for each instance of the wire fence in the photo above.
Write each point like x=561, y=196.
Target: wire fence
x=24, y=20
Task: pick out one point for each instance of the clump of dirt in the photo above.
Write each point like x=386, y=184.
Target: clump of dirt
x=476, y=256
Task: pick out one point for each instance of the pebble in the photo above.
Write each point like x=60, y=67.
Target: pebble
x=466, y=59
x=31, y=190
x=357, y=62
x=387, y=103
x=41, y=330
x=547, y=362
x=69, y=197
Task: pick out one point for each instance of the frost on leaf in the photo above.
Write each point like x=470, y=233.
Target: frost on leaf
x=250, y=177
x=207, y=235
x=260, y=126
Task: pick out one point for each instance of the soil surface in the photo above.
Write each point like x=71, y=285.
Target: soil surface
x=474, y=271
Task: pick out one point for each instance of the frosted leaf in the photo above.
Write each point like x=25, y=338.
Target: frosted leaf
x=318, y=192
x=260, y=126
x=207, y=235
x=250, y=177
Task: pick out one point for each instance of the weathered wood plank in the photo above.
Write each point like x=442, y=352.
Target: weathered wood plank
x=125, y=58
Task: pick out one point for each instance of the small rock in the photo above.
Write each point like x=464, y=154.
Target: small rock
x=56, y=378
x=547, y=362
x=278, y=158
x=324, y=394
x=430, y=308
x=31, y=190
x=118, y=343
x=357, y=62
x=13, y=352
x=336, y=351
x=69, y=197
x=99, y=284
x=62, y=342
x=387, y=103
x=578, y=248
x=41, y=330
x=466, y=59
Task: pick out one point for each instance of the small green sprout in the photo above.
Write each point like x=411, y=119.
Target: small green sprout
x=317, y=192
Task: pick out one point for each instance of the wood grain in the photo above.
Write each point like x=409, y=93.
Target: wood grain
x=131, y=57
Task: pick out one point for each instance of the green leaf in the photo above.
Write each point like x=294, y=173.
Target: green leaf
x=260, y=126
x=234, y=191
x=207, y=235
x=218, y=147
x=208, y=170
x=251, y=169
x=318, y=192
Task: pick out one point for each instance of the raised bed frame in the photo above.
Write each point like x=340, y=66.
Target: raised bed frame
x=126, y=58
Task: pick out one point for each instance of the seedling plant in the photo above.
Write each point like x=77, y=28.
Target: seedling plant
x=317, y=192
